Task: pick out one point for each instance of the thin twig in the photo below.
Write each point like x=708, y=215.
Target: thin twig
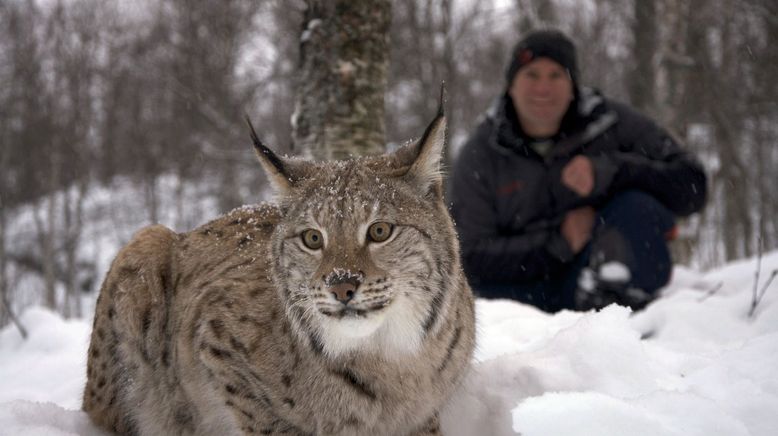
x=761, y=293
x=754, y=295
x=14, y=318
x=711, y=291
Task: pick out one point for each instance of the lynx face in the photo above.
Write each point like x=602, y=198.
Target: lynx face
x=357, y=262
x=359, y=256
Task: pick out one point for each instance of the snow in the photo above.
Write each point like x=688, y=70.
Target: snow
x=692, y=363
x=312, y=25
x=41, y=378
x=614, y=272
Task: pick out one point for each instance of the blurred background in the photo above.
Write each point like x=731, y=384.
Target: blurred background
x=115, y=115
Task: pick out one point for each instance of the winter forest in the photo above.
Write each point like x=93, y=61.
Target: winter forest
x=119, y=115
x=115, y=115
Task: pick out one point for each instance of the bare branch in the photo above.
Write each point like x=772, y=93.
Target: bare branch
x=12, y=315
x=715, y=288
x=754, y=295
x=758, y=298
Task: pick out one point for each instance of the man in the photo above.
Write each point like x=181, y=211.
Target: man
x=565, y=199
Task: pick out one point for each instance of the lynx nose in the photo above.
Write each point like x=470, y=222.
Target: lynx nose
x=344, y=292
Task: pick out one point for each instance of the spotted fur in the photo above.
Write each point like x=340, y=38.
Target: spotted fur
x=236, y=327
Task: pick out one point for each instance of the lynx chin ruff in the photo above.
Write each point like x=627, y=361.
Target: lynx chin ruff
x=342, y=310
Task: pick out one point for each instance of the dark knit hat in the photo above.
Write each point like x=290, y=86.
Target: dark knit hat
x=551, y=44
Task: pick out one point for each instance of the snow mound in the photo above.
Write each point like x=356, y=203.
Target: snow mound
x=44, y=419
x=692, y=363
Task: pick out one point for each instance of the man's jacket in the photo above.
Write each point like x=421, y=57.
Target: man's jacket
x=509, y=201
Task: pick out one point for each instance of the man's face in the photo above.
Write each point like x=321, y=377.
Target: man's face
x=541, y=93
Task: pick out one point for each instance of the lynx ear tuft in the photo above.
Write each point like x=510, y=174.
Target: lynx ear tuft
x=283, y=173
x=426, y=166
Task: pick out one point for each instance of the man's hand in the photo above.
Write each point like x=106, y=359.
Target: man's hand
x=578, y=175
x=577, y=227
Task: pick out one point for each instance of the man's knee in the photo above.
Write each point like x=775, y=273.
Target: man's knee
x=638, y=206
x=633, y=200
x=632, y=231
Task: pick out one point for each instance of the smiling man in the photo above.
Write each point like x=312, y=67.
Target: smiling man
x=563, y=198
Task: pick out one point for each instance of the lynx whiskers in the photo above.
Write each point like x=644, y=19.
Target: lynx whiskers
x=340, y=309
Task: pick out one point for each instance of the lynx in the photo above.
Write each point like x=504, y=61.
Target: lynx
x=341, y=310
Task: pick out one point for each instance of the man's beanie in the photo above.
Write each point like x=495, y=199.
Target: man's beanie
x=551, y=44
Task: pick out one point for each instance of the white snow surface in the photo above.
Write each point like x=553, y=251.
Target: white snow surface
x=692, y=363
x=615, y=272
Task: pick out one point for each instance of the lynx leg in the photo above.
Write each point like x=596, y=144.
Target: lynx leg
x=128, y=329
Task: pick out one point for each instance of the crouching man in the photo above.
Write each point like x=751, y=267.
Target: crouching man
x=565, y=199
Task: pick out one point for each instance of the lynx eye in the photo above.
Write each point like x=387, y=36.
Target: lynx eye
x=379, y=232
x=312, y=239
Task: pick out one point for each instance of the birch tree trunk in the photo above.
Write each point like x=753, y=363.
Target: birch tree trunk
x=339, y=111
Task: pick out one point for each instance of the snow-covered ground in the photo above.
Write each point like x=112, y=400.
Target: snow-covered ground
x=692, y=363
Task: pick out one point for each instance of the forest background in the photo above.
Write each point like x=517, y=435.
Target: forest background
x=115, y=115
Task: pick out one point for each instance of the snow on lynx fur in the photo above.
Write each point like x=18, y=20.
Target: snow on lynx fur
x=340, y=310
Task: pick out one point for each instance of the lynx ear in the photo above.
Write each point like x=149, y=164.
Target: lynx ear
x=283, y=173
x=425, y=155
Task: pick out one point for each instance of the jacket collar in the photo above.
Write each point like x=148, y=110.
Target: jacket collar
x=590, y=119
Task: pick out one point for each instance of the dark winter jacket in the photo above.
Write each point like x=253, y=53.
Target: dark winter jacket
x=509, y=202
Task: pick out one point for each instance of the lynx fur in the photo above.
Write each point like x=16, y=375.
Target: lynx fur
x=342, y=310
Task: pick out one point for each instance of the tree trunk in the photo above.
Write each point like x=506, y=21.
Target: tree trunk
x=5, y=188
x=450, y=73
x=47, y=237
x=229, y=196
x=4, y=312
x=766, y=134
x=728, y=125
x=344, y=47
x=150, y=197
x=69, y=248
x=668, y=101
x=73, y=210
x=643, y=76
